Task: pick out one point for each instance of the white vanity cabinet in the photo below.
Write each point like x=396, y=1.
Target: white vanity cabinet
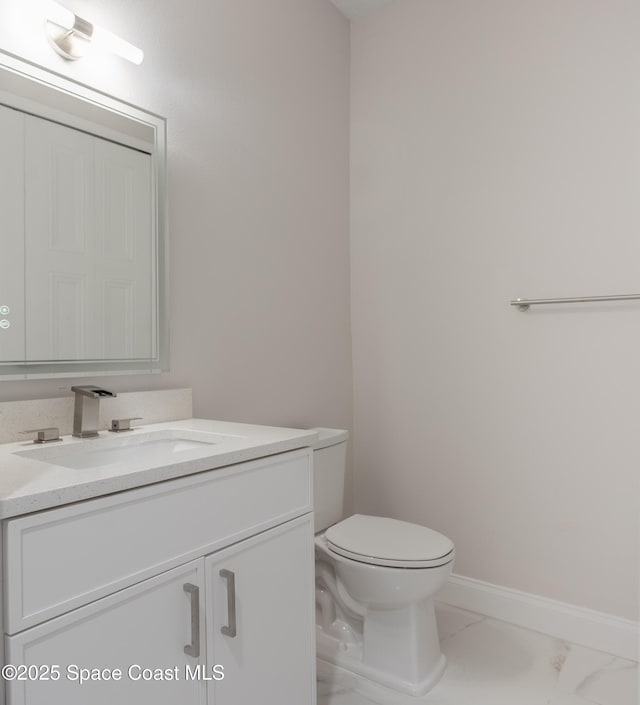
x=194, y=578
x=144, y=626
x=266, y=636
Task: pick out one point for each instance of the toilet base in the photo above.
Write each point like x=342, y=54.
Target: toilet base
x=379, y=622
x=349, y=658
x=397, y=647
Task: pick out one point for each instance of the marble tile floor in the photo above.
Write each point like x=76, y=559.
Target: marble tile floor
x=494, y=663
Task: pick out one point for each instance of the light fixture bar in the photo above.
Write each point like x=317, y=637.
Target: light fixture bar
x=104, y=38
x=71, y=36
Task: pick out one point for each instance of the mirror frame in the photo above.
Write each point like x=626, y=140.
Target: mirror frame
x=35, y=90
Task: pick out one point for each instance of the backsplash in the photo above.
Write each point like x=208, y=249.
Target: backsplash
x=153, y=406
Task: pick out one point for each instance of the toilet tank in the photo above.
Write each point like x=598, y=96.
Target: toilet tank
x=329, y=465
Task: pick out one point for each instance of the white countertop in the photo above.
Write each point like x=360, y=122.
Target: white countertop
x=28, y=484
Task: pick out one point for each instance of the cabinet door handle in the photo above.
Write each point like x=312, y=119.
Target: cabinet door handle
x=230, y=629
x=193, y=649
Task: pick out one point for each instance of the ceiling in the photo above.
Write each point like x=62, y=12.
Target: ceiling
x=357, y=8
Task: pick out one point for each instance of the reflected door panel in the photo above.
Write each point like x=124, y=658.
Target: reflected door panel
x=59, y=243
x=124, y=240
x=88, y=244
x=11, y=235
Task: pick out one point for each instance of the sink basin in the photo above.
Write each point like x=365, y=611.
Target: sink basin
x=156, y=447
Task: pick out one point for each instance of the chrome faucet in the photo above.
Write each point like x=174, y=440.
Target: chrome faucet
x=86, y=408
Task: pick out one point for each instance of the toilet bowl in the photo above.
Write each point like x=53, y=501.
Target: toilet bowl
x=375, y=582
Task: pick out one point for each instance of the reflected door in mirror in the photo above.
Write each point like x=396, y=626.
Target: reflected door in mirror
x=12, y=332
x=87, y=243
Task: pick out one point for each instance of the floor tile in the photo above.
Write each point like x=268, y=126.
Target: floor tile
x=494, y=663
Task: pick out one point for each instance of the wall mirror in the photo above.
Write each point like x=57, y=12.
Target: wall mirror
x=83, y=230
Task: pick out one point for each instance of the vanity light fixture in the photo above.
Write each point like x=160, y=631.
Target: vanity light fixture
x=71, y=36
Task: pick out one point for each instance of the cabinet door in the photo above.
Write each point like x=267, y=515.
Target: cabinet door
x=146, y=626
x=266, y=644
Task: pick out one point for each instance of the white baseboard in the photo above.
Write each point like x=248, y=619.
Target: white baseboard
x=597, y=630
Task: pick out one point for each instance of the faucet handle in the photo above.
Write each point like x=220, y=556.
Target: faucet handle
x=45, y=435
x=93, y=392
x=119, y=425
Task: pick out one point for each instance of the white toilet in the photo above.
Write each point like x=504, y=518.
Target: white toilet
x=375, y=582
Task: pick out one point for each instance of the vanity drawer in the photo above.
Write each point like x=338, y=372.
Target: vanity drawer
x=59, y=559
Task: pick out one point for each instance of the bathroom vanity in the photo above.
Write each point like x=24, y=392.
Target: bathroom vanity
x=173, y=563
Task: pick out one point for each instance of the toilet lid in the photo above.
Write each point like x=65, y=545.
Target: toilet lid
x=389, y=542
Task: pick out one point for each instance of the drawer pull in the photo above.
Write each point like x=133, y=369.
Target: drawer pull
x=193, y=649
x=230, y=628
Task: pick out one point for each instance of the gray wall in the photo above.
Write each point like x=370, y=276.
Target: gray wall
x=257, y=99
x=495, y=155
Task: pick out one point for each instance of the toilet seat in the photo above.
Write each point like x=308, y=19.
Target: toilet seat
x=389, y=542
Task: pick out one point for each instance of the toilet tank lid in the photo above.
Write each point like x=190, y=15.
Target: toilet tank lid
x=329, y=437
